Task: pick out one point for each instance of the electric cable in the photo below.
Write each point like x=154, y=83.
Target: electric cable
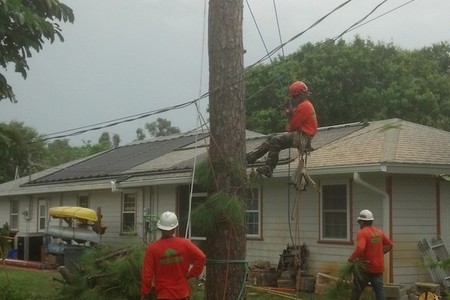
x=114, y=122
x=377, y=17
x=278, y=26
x=351, y=28
x=257, y=28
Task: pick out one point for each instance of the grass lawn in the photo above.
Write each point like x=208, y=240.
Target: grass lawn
x=21, y=283
x=39, y=284
x=30, y=284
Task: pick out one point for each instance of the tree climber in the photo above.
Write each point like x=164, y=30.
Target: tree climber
x=300, y=129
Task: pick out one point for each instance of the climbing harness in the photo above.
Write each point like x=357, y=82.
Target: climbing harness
x=301, y=178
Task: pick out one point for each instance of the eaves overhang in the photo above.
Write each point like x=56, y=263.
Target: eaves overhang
x=390, y=168
x=56, y=188
x=184, y=176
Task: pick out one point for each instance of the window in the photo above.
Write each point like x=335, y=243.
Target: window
x=14, y=217
x=197, y=199
x=128, y=213
x=335, y=221
x=253, y=213
x=42, y=204
x=83, y=201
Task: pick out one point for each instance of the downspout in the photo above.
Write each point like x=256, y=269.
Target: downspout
x=385, y=195
x=386, y=227
x=114, y=188
x=114, y=183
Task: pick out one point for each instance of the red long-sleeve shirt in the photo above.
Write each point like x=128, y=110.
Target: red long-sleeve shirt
x=170, y=262
x=303, y=119
x=370, y=245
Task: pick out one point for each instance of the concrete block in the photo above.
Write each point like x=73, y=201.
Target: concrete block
x=394, y=291
x=413, y=297
x=404, y=297
x=422, y=287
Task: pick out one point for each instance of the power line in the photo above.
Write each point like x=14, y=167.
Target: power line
x=352, y=27
x=114, y=122
x=110, y=123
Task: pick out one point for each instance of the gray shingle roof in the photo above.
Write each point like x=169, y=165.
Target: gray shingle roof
x=119, y=160
x=388, y=142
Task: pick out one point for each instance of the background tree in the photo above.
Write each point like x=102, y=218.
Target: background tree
x=23, y=151
x=356, y=81
x=115, y=140
x=161, y=127
x=24, y=26
x=59, y=152
x=105, y=139
x=22, y=148
x=140, y=135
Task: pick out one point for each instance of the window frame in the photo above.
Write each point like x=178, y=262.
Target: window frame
x=14, y=225
x=81, y=198
x=201, y=194
x=258, y=211
x=124, y=212
x=42, y=214
x=348, y=237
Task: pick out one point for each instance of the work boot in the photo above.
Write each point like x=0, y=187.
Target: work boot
x=265, y=170
x=252, y=156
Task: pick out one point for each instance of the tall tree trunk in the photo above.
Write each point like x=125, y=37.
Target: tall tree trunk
x=226, y=247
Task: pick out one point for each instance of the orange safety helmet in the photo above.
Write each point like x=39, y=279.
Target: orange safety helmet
x=297, y=87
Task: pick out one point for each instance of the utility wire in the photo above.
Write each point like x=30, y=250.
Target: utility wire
x=299, y=34
x=352, y=27
x=278, y=25
x=114, y=122
x=107, y=124
x=377, y=17
x=360, y=20
x=257, y=28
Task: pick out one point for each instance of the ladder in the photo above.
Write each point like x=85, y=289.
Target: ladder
x=433, y=253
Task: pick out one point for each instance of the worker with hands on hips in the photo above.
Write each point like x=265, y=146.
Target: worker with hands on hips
x=170, y=262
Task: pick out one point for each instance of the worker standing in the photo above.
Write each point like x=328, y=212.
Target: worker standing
x=170, y=262
x=371, y=245
x=300, y=130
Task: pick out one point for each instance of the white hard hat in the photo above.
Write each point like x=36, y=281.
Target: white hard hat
x=365, y=215
x=167, y=221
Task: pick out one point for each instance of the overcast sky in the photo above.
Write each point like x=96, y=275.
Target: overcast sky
x=125, y=57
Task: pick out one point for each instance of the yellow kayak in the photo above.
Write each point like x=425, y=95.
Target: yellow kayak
x=73, y=212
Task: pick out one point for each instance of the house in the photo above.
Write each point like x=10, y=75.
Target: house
x=395, y=168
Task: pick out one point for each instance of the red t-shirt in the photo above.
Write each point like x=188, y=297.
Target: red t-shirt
x=303, y=119
x=370, y=242
x=168, y=262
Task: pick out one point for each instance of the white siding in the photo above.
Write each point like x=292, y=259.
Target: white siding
x=4, y=210
x=445, y=211
x=413, y=215
x=414, y=218
x=276, y=232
